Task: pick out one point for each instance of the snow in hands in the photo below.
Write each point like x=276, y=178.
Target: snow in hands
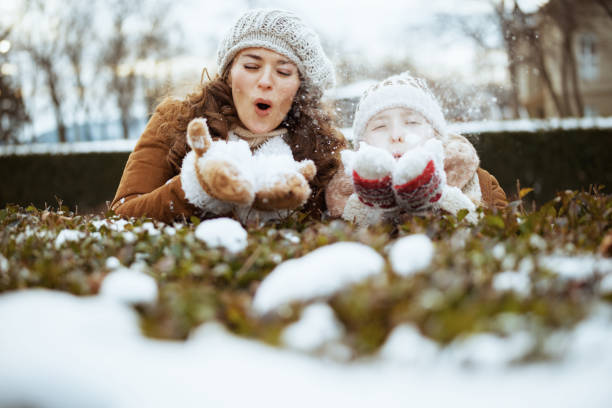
x=221, y=176
x=413, y=183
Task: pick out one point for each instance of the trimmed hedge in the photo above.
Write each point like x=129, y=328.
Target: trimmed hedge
x=86, y=180
x=548, y=162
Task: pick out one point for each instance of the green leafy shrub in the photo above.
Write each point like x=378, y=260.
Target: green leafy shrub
x=454, y=297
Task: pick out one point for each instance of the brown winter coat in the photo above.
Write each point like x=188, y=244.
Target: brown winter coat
x=150, y=186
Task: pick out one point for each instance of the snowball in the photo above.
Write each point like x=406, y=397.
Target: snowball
x=4, y=264
x=372, y=162
x=319, y=273
x=68, y=235
x=290, y=236
x=128, y=286
x=129, y=237
x=222, y=233
x=406, y=344
x=576, y=267
x=499, y=251
x=592, y=337
x=317, y=326
x=526, y=265
x=414, y=161
x=98, y=224
x=489, y=350
x=149, y=227
x=118, y=225
x=605, y=287
x=512, y=281
x=112, y=263
x=411, y=254
x=537, y=242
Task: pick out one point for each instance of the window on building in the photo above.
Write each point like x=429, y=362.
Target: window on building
x=588, y=58
x=590, y=111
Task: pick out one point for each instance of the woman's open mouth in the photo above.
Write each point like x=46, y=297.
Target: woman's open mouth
x=262, y=107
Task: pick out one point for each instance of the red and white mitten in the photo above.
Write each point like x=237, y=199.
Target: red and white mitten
x=371, y=170
x=419, y=178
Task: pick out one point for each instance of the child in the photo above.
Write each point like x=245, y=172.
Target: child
x=407, y=162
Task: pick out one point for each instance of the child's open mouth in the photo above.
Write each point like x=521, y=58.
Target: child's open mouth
x=262, y=107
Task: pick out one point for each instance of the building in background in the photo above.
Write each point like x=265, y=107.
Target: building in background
x=565, y=49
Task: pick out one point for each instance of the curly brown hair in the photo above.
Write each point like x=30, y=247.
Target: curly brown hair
x=310, y=131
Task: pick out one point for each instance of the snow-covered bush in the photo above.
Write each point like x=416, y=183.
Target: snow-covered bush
x=438, y=275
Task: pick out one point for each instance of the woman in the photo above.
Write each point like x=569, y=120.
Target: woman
x=272, y=73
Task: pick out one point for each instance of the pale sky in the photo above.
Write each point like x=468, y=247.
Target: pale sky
x=361, y=29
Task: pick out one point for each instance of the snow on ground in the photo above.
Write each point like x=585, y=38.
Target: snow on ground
x=58, y=350
x=129, y=286
x=406, y=345
x=605, y=286
x=222, y=233
x=317, y=326
x=68, y=235
x=489, y=350
x=513, y=281
x=112, y=224
x=411, y=254
x=320, y=273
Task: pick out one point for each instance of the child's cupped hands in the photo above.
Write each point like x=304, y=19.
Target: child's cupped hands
x=412, y=183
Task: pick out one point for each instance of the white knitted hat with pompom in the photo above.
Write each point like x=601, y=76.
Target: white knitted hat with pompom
x=402, y=90
x=283, y=32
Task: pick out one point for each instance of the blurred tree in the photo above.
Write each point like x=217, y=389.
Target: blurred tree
x=78, y=35
x=606, y=5
x=393, y=66
x=116, y=57
x=42, y=42
x=564, y=15
x=133, y=52
x=484, y=31
x=526, y=30
x=509, y=33
x=522, y=41
x=155, y=46
x=12, y=110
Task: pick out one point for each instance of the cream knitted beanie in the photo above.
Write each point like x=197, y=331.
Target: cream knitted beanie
x=402, y=90
x=283, y=32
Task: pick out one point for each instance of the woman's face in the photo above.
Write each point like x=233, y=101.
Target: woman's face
x=398, y=130
x=263, y=84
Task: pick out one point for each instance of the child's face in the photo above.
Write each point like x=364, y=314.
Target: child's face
x=398, y=130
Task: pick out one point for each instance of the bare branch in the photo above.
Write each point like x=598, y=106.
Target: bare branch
x=606, y=5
